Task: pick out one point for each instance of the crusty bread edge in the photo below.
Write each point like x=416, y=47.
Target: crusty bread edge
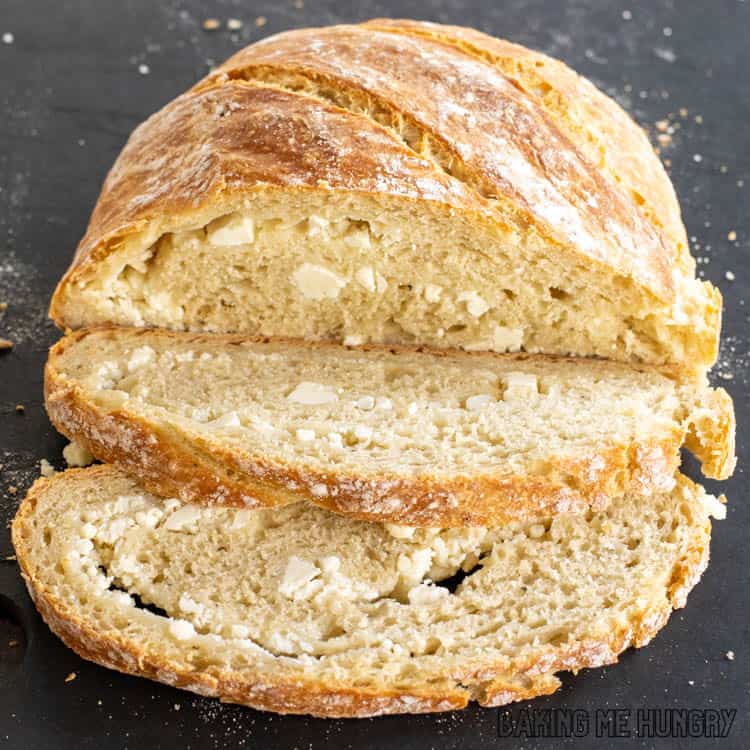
x=197, y=468
x=490, y=684
x=711, y=433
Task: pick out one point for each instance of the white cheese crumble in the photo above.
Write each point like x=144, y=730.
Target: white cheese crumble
x=312, y=394
x=479, y=402
x=298, y=573
x=183, y=518
x=182, y=630
x=506, y=339
x=140, y=357
x=366, y=403
x=233, y=229
x=519, y=384
x=316, y=282
x=365, y=276
x=335, y=440
x=363, y=433
x=426, y=593
x=317, y=225
x=432, y=292
x=239, y=631
x=46, y=468
x=400, y=532
x=475, y=305
x=225, y=421
x=77, y=455
x=358, y=239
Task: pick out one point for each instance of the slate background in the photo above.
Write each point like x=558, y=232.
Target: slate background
x=71, y=91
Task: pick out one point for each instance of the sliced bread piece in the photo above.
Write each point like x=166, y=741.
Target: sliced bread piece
x=298, y=610
x=423, y=438
x=403, y=184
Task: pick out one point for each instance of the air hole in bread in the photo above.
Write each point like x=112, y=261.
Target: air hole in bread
x=453, y=582
x=139, y=603
x=556, y=293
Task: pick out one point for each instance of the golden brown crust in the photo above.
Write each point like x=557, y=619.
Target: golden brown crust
x=210, y=146
x=598, y=126
x=499, y=141
x=490, y=684
x=198, y=468
x=711, y=435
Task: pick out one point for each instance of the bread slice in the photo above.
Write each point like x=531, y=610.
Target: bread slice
x=423, y=438
x=402, y=183
x=298, y=610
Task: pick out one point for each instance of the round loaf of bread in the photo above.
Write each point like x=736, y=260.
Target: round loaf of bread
x=397, y=182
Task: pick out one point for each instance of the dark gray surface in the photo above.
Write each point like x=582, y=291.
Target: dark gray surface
x=71, y=91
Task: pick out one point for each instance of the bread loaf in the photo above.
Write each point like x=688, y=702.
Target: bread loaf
x=397, y=183
x=298, y=610
x=415, y=437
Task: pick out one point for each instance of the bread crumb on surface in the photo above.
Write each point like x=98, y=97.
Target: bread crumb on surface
x=730, y=276
x=46, y=468
x=143, y=69
x=261, y=21
x=730, y=655
x=12, y=490
x=8, y=38
x=211, y=24
x=5, y=344
x=732, y=235
x=20, y=408
x=234, y=24
x=71, y=677
x=77, y=455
